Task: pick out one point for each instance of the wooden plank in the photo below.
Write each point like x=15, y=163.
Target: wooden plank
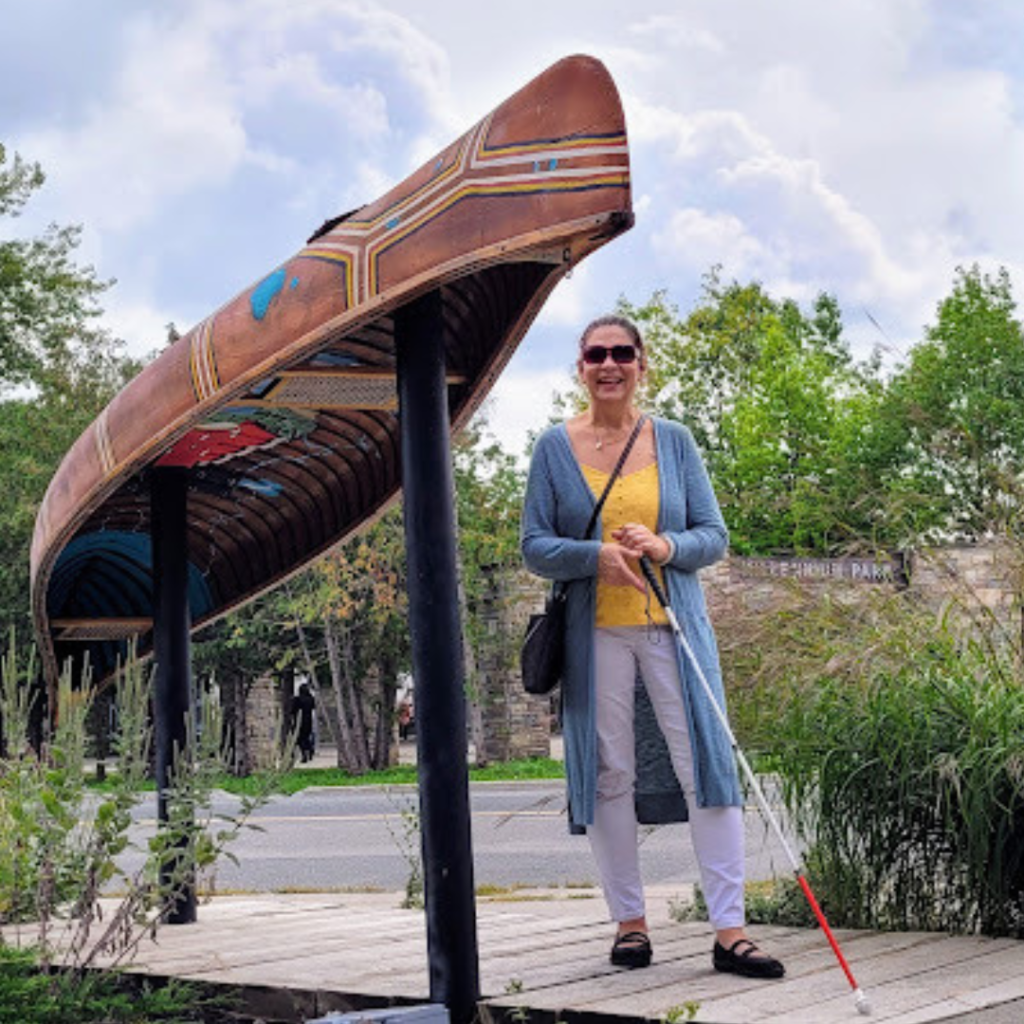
x=675, y=979
x=554, y=956
x=930, y=993
x=819, y=980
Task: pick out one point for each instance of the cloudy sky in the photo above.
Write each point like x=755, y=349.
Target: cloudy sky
x=863, y=147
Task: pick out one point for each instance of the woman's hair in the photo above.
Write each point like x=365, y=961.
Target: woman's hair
x=613, y=320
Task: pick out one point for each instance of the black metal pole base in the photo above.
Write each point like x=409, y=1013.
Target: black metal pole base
x=429, y=508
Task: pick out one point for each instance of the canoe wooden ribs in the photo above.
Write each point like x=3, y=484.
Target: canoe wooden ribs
x=282, y=406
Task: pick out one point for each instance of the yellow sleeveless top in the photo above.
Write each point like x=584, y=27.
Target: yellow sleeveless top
x=633, y=499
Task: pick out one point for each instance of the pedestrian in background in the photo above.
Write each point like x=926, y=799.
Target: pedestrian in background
x=303, y=719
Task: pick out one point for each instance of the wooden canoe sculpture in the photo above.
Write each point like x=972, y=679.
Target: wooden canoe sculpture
x=283, y=403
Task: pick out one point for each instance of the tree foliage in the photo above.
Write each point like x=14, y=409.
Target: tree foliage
x=344, y=622
x=775, y=401
x=50, y=340
x=489, y=488
x=813, y=452
x=954, y=413
x=58, y=369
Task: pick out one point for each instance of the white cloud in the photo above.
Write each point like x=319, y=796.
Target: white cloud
x=696, y=240
x=202, y=92
x=413, y=54
x=361, y=107
x=142, y=326
x=677, y=32
x=863, y=147
x=569, y=303
x=521, y=402
x=170, y=126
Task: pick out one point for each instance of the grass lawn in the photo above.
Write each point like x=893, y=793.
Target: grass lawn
x=302, y=778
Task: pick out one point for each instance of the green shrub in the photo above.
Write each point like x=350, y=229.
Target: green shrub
x=61, y=848
x=777, y=901
x=31, y=996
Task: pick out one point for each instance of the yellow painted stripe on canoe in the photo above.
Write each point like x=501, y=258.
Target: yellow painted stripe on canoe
x=332, y=256
x=504, y=186
x=552, y=145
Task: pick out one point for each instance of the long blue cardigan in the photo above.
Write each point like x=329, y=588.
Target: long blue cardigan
x=556, y=511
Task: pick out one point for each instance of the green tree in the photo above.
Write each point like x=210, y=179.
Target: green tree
x=49, y=308
x=489, y=488
x=954, y=415
x=778, y=406
x=349, y=619
x=58, y=368
x=234, y=652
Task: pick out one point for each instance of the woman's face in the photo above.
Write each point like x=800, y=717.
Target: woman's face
x=610, y=381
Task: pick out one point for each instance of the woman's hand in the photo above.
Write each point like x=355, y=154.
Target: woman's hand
x=638, y=540
x=615, y=567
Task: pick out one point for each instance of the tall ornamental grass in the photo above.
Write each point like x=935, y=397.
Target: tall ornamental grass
x=898, y=738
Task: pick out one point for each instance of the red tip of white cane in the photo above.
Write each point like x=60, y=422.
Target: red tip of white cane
x=862, y=1002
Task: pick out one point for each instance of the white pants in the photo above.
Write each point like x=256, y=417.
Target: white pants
x=717, y=832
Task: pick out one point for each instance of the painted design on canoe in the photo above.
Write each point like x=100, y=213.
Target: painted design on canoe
x=527, y=168
x=205, y=381
x=103, y=446
x=215, y=442
x=111, y=574
x=282, y=406
x=342, y=256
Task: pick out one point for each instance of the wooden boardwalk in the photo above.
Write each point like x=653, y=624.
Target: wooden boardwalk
x=300, y=956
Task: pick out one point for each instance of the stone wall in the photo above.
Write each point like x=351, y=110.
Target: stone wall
x=263, y=723
x=515, y=725
x=980, y=579
x=970, y=581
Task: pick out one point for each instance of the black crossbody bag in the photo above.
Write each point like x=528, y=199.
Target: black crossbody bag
x=542, y=658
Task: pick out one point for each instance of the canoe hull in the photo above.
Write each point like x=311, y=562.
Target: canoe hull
x=282, y=405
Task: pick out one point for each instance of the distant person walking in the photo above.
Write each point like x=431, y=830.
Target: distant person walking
x=303, y=715
x=404, y=719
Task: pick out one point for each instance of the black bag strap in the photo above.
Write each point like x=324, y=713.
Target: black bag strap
x=615, y=473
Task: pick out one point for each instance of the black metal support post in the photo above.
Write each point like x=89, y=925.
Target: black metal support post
x=172, y=699
x=429, y=509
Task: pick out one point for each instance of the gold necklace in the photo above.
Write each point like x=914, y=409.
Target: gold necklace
x=599, y=443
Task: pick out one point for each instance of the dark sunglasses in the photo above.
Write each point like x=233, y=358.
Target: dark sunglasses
x=621, y=354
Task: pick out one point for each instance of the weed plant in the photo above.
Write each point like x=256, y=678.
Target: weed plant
x=62, y=845
x=31, y=996
x=778, y=901
x=898, y=738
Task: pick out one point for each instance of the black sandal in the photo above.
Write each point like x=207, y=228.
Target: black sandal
x=745, y=963
x=631, y=949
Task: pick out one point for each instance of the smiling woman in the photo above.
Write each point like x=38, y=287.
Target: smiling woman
x=281, y=408
x=636, y=730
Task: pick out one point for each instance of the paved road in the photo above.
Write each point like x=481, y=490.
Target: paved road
x=365, y=836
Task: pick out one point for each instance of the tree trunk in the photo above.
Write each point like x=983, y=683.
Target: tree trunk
x=347, y=758
x=237, y=719
x=359, y=737
x=384, y=733
x=285, y=692
x=473, y=690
